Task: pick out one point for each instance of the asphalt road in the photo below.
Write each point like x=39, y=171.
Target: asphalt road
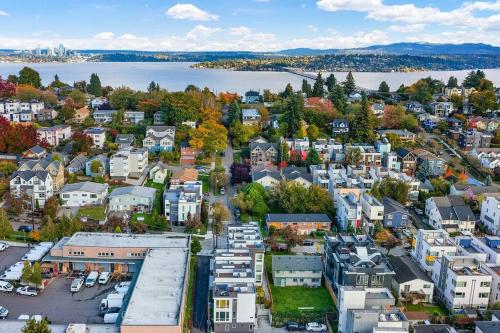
x=10, y=256
x=200, y=301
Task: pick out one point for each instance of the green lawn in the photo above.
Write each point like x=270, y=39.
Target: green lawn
x=147, y=217
x=205, y=183
x=18, y=236
x=95, y=213
x=159, y=194
x=157, y=186
x=237, y=157
x=429, y=308
x=186, y=327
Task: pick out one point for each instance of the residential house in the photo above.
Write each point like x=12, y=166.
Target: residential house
x=54, y=135
x=292, y=271
x=101, y=162
x=77, y=164
x=471, y=139
x=328, y=149
x=53, y=167
x=441, y=109
x=372, y=210
x=83, y=194
x=81, y=114
x=426, y=159
x=348, y=211
x=133, y=117
x=267, y=178
x=181, y=176
x=414, y=107
x=132, y=198
x=352, y=260
x=450, y=213
x=369, y=155
x=98, y=135
x=304, y=224
x=474, y=192
x=263, y=154
x=492, y=326
x=459, y=91
x=36, y=185
x=35, y=152
x=188, y=155
x=395, y=214
x=128, y=162
x=46, y=115
x=430, y=245
x=250, y=117
x=410, y=282
x=158, y=173
x=182, y=201
x=407, y=161
x=158, y=118
x=159, y=138
x=299, y=175
x=355, y=97
x=296, y=145
x=489, y=157
x=378, y=109
x=490, y=214
x=404, y=135
x=98, y=102
x=104, y=116
x=124, y=140
x=252, y=97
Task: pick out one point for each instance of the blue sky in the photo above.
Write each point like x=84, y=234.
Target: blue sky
x=257, y=25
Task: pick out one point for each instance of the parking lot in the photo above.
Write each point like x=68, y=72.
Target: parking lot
x=10, y=256
x=59, y=304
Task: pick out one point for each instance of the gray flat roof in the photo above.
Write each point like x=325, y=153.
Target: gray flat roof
x=95, y=239
x=157, y=297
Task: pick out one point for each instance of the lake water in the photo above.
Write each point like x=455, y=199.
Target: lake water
x=176, y=76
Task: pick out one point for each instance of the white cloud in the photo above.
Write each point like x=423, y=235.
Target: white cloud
x=240, y=31
x=312, y=28
x=201, y=31
x=104, y=35
x=3, y=13
x=187, y=11
x=356, y=5
x=408, y=28
x=127, y=37
x=358, y=39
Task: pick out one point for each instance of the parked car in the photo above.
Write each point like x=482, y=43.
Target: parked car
x=308, y=243
x=76, y=285
x=25, y=228
x=3, y=312
x=28, y=291
x=91, y=279
x=3, y=246
x=123, y=284
x=111, y=315
x=237, y=213
x=315, y=327
x=419, y=211
x=6, y=287
x=294, y=326
x=222, y=190
x=407, y=233
x=104, y=277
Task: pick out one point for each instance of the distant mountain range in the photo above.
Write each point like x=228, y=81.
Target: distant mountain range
x=403, y=48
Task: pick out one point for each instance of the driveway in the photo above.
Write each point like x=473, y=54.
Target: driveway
x=200, y=301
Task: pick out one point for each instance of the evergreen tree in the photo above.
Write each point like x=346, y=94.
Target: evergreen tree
x=319, y=86
x=153, y=87
x=488, y=181
x=26, y=273
x=56, y=78
x=338, y=98
x=95, y=87
x=349, y=84
x=5, y=226
x=234, y=112
x=29, y=76
x=384, y=89
x=452, y=82
x=306, y=88
x=364, y=123
x=424, y=171
x=288, y=91
x=473, y=79
x=48, y=232
x=36, y=274
x=313, y=157
x=284, y=153
x=294, y=111
x=33, y=326
x=331, y=82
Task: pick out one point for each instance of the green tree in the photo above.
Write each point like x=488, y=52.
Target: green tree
x=36, y=275
x=424, y=171
x=48, y=232
x=29, y=76
x=288, y=91
x=50, y=207
x=284, y=153
x=33, y=326
x=80, y=85
x=210, y=136
x=306, y=88
x=313, y=157
x=331, y=82
x=319, y=86
x=338, y=98
x=352, y=156
x=5, y=226
x=153, y=87
x=242, y=133
x=79, y=98
x=294, y=113
x=473, y=79
x=195, y=246
x=312, y=132
x=458, y=101
x=95, y=166
x=26, y=272
x=363, y=129
x=123, y=98
x=483, y=101
x=384, y=89
x=452, y=82
x=118, y=230
x=392, y=188
x=95, y=87
x=349, y=84
x=234, y=112
x=178, y=107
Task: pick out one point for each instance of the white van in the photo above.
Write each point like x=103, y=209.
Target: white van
x=104, y=277
x=122, y=285
x=91, y=279
x=111, y=315
x=6, y=287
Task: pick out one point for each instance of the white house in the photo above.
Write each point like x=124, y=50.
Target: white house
x=441, y=109
x=410, y=281
x=490, y=214
x=372, y=209
x=182, y=200
x=159, y=138
x=132, y=199
x=133, y=117
x=450, y=213
x=37, y=185
x=158, y=173
x=83, y=194
x=97, y=134
x=267, y=178
x=55, y=134
x=104, y=116
x=128, y=162
x=431, y=245
x=348, y=211
x=98, y=102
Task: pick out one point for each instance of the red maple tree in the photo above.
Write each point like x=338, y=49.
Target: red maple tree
x=7, y=88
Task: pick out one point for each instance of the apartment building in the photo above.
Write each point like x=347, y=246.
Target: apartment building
x=263, y=153
x=54, y=135
x=182, y=201
x=132, y=199
x=98, y=135
x=490, y=214
x=348, y=211
x=83, y=194
x=292, y=271
x=36, y=185
x=159, y=138
x=372, y=209
x=450, y=213
x=54, y=168
x=369, y=310
x=128, y=162
x=430, y=245
x=353, y=260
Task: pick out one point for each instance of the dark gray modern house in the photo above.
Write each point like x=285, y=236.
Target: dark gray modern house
x=353, y=260
x=395, y=214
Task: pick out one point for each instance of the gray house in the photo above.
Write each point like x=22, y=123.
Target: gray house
x=124, y=140
x=297, y=271
x=103, y=170
x=132, y=198
x=395, y=214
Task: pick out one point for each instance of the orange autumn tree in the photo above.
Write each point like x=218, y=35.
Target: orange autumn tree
x=448, y=173
x=462, y=177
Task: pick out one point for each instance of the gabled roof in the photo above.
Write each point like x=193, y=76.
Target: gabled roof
x=402, y=152
x=95, y=130
x=139, y=191
x=79, y=161
x=250, y=113
x=257, y=175
x=391, y=206
x=124, y=139
x=453, y=207
x=297, y=263
x=294, y=173
x=28, y=174
x=36, y=150
x=406, y=270
x=85, y=187
x=264, y=146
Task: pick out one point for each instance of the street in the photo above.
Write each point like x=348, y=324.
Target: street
x=201, y=293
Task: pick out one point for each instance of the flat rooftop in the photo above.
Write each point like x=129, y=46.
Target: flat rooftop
x=93, y=239
x=157, y=297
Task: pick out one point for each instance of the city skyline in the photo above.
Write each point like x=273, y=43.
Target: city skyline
x=246, y=25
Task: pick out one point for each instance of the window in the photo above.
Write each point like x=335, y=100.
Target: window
x=460, y=294
x=362, y=280
x=105, y=254
x=427, y=286
x=484, y=295
x=485, y=284
x=460, y=283
x=222, y=304
x=222, y=316
x=377, y=280
x=76, y=253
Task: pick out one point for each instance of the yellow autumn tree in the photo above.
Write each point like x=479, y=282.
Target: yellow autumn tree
x=210, y=137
